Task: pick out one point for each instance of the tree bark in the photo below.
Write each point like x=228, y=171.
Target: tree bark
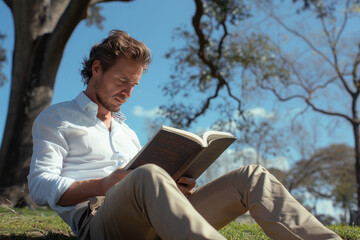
x=42, y=29
x=357, y=167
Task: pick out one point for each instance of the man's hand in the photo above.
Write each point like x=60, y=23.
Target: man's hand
x=186, y=185
x=80, y=191
x=114, y=178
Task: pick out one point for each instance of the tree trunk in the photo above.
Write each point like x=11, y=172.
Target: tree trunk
x=42, y=29
x=357, y=168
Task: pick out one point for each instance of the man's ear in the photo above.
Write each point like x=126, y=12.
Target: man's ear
x=96, y=67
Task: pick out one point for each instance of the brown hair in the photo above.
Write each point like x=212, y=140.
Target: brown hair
x=116, y=46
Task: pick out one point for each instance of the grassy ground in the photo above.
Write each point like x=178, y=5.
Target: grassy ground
x=19, y=224
x=32, y=224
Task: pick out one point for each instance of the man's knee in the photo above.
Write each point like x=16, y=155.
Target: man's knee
x=139, y=177
x=149, y=170
x=258, y=169
x=252, y=170
x=138, y=183
x=252, y=175
x=150, y=173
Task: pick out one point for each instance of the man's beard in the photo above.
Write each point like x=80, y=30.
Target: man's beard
x=106, y=104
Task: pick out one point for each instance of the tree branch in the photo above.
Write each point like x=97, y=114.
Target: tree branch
x=356, y=63
x=92, y=2
x=203, y=42
x=9, y=3
x=342, y=28
x=239, y=102
x=220, y=47
x=334, y=51
x=309, y=103
x=74, y=12
x=204, y=107
x=196, y=22
x=325, y=84
x=214, y=70
x=296, y=33
x=330, y=113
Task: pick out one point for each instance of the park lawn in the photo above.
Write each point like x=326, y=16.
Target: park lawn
x=24, y=223
x=32, y=224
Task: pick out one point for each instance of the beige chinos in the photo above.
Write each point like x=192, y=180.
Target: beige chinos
x=148, y=205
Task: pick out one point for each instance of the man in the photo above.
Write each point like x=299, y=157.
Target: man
x=81, y=145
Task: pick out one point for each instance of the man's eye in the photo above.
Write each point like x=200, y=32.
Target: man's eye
x=119, y=81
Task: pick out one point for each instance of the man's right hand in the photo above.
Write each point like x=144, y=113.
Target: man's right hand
x=81, y=191
x=114, y=178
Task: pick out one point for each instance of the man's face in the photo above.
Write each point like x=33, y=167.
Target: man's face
x=113, y=87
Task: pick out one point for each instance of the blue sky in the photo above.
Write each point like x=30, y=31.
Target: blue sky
x=151, y=22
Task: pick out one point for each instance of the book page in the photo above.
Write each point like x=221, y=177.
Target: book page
x=187, y=134
x=209, y=136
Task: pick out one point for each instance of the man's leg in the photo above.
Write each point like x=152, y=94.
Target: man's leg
x=269, y=203
x=146, y=203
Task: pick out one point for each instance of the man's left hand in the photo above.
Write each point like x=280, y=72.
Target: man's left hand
x=186, y=185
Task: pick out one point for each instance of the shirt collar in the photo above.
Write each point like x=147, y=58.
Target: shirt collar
x=86, y=104
x=119, y=115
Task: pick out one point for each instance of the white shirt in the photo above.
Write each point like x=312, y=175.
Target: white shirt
x=72, y=144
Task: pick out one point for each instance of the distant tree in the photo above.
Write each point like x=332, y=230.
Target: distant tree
x=218, y=64
x=327, y=174
x=42, y=29
x=324, y=73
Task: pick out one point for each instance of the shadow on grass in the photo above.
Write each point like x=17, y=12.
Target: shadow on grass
x=26, y=236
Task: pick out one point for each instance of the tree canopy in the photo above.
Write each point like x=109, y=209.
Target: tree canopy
x=309, y=54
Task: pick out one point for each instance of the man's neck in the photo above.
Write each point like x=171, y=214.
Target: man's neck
x=106, y=118
x=103, y=114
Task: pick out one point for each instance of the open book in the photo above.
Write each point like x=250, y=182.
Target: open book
x=182, y=153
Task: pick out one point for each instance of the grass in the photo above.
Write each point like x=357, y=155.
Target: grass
x=346, y=232
x=32, y=224
x=19, y=224
x=237, y=231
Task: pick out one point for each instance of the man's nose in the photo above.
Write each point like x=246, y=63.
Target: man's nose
x=127, y=92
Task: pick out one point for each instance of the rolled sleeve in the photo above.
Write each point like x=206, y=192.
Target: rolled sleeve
x=46, y=184
x=46, y=189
